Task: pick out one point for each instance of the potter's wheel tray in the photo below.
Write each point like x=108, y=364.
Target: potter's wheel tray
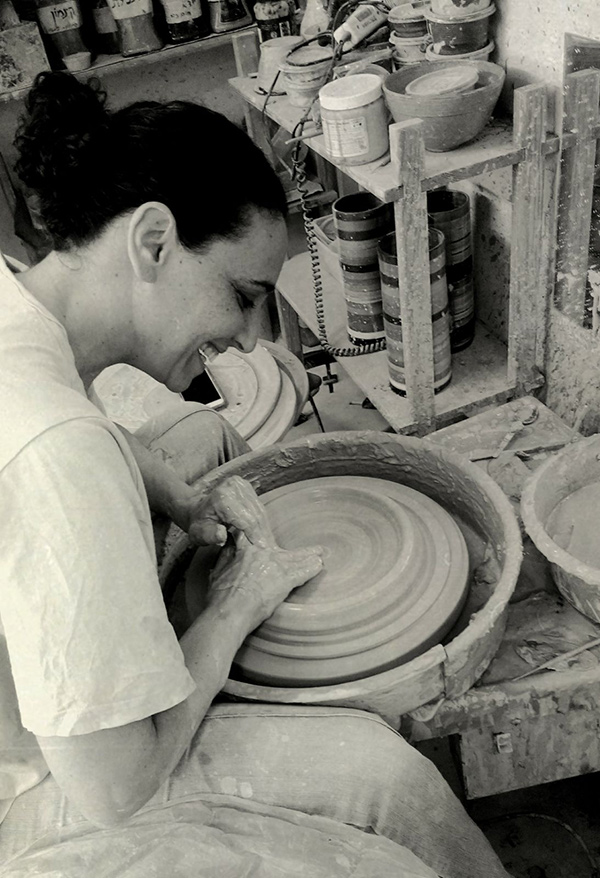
x=395, y=580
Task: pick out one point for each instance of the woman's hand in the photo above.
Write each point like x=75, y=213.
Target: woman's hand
x=259, y=578
x=232, y=504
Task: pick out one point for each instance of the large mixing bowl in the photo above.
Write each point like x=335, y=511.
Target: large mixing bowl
x=449, y=120
x=478, y=506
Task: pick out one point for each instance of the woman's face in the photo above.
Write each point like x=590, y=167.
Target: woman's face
x=211, y=301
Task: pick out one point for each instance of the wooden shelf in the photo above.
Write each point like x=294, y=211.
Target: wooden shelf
x=109, y=64
x=493, y=149
x=479, y=373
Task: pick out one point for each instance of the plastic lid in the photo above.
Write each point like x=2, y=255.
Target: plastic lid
x=351, y=91
x=405, y=13
x=474, y=16
x=456, y=78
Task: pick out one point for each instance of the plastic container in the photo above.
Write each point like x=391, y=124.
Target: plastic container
x=409, y=50
x=432, y=53
x=405, y=22
x=354, y=119
x=449, y=212
x=107, y=32
x=458, y=8
x=272, y=54
x=61, y=21
x=440, y=314
x=136, y=26
x=226, y=15
x=186, y=20
x=304, y=71
x=460, y=35
x=273, y=19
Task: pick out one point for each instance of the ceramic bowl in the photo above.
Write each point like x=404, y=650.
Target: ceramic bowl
x=448, y=120
x=563, y=475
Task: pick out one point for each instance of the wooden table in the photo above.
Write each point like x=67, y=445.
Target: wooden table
x=518, y=733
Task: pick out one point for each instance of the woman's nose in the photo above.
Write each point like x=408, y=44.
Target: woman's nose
x=247, y=338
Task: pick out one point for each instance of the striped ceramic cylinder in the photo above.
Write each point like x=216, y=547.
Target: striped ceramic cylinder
x=361, y=220
x=449, y=212
x=440, y=315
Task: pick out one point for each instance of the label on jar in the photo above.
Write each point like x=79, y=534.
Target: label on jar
x=59, y=17
x=129, y=8
x=177, y=11
x=346, y=138
x=104, y=20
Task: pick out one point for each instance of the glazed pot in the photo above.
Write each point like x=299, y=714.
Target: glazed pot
x=476, y=503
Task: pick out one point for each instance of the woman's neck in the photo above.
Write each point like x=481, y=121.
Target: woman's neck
x=86, y=291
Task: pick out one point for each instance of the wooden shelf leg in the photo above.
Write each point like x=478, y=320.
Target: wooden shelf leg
x=289, y=325
x=580, y=116
x=528, y=301
x=412, y=242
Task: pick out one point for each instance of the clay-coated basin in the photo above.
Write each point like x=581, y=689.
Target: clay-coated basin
x=449, y=120
x=574, y=468
x=477, y=505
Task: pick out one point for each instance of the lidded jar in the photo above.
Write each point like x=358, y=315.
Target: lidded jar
x=355, y=119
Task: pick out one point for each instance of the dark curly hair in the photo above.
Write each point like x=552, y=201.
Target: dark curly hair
x=88, y=165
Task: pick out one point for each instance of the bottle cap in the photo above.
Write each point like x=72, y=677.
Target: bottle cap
x=351, y=91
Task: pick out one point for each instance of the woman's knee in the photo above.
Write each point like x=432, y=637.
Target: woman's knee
x=192, y=440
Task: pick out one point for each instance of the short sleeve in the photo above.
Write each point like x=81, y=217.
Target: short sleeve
x=88, y=636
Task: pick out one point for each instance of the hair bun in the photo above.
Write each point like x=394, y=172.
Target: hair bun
x=56, y=137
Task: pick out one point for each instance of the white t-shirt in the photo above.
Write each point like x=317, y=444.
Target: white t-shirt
x=85, y=643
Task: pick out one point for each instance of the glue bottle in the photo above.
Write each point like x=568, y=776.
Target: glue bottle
x=363, y=22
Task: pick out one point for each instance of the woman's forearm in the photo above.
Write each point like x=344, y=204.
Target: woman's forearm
x=168, y=494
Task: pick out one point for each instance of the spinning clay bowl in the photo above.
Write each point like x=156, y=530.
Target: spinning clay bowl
x=473, y=539
x=574, y=468
x=449, y=120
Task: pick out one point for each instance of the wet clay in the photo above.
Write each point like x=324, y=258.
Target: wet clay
x=573, y=525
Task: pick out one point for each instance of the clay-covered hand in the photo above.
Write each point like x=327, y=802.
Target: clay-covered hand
x=232, y=504
x=260, y=577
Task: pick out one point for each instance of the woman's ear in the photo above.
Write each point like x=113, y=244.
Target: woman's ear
x=152, y=235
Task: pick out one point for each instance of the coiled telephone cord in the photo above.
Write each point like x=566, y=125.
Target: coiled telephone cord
x=311, y=240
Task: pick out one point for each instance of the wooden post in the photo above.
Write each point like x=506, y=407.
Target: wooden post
x=580, y=115
x=412, y=243
x=246, y=54
x=289, y=326
x=528, y=278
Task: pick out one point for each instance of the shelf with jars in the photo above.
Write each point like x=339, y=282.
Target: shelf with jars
x=489, y=371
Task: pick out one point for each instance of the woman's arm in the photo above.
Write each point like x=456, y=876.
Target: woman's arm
x=110, y=774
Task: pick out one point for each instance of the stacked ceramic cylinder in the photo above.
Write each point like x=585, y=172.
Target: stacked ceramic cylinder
x=361, y=220
x=449, y=212
x=392, y=312
x=409, y=35
x=460, y=30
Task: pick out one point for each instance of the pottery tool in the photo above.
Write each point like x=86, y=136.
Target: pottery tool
x=528, y=417
x=559, y=658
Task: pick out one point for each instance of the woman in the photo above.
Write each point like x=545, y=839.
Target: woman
x=168, y=230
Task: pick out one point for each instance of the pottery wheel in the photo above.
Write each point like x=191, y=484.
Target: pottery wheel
x=395, y=579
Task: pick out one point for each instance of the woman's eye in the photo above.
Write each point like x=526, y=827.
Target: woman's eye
x=243, y=301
